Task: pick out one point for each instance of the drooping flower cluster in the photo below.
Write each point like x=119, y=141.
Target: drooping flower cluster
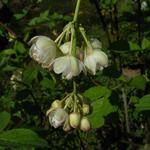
x=67, y=58
x=70, y=113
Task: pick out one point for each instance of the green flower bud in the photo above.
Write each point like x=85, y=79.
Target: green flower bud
x=74, y=119
x=56, y=104
x=85, y=109
x=67, y=126
x=85, y=124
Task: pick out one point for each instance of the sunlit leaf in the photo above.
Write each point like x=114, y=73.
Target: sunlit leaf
x=97, y=92
x=145, y=43
x=101, y=108
x=144, y=103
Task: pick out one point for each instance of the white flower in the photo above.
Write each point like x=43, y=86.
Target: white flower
x=95, y=60
x=65, y=47
x=144, y=6
x=68, y=65
x=96, y=44
x=43, y=50
x=57, y=117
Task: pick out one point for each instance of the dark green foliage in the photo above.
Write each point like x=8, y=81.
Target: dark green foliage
x=120, y=103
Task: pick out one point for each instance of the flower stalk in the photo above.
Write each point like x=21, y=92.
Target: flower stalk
x=76, y=11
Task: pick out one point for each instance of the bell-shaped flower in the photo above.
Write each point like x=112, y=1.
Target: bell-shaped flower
x=96, y=44
x=68, y=65
x=95, y=59
x=65, y=47
x=57, y=117
x=43, y=50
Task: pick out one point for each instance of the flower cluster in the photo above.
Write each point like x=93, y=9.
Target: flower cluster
x=68, y=59
x=70, y=113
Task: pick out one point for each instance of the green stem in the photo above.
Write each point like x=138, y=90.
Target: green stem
x=76, y=11
x=82, y=31
x=74, y=87
x=61, y=35
x=72, y=50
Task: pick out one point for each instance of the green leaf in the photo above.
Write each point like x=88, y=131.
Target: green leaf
x=101, y=108
x=43, y=18
x=138, y=82
x=134, y=46
x=19, y=47
x=21, y=14
x=20, y=138
x=97, y=92
x=29, y=75
x=2, y=148
x=8, y=52
x=4, y=119
x=126, y=6
x=144, y=103
x=47, y=83
x=145, y=43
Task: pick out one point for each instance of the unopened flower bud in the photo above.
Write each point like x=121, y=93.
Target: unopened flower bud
x=67, y=126
x=85, y=109
x=85, y=124
x=74, y=119
x=56, y=104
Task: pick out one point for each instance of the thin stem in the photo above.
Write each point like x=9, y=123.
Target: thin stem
x=76, y=11
x=124, y=98
x=82, y=31
x=74, y=87
x=61, y=35
x=72, y=50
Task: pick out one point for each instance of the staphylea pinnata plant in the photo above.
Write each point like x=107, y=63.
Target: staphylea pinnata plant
x=66, y=57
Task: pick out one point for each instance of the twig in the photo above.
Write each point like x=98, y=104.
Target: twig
x=124, y=98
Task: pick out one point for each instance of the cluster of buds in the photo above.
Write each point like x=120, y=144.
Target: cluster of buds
x=64, y=56
x=70, y=113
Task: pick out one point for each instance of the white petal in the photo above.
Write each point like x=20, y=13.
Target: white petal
x=96, y=44
x=60, y=64
x=90, y=63
x=35, y=38
x=65, y=47
x=101, y=58
x=57, y=117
